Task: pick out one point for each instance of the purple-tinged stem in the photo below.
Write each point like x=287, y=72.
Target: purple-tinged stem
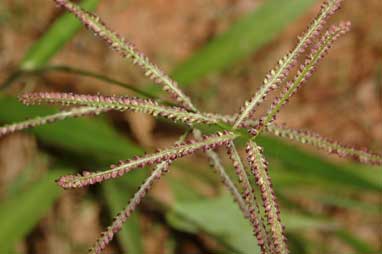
x=226, y=180
x=173, y=153
x=277, y=75
x=42, y=120
x=127, y=50
x=249, y=198
x=120, y=103
x=259, y=167
x=326, y=144
x=362, y=155
x=121, y=218
x=306, y=70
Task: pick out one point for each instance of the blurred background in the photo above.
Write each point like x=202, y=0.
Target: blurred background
x=219, y=50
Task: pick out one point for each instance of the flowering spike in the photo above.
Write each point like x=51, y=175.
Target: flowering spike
x=127, y=50
x=173, y=153
x=259, y=167
x=121, y=218
x=330, y=146
x=307, y=137
x=277, y=75
x=42, y=120
x=121, y=103
x=304, y=73
x=249, y=198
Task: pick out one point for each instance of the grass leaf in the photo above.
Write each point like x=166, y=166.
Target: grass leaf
x=247, y=35
x=221, y=218
x=62, y=31
x=20, y=213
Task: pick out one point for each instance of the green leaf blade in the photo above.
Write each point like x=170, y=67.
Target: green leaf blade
x=244, y=37
x=54, y=39
x=19, y=214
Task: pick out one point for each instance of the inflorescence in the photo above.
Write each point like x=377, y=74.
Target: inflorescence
x=267, y=226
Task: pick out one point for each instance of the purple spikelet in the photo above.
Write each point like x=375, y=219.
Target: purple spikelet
x=42, y=120
x=305, y=71
x=259, y=167
x=328, y=145
x=249, y=198
x=121, y=218
x=328, y=8
x=120, y=103
x=179, y=150
x=127, y=50
x=277, y=75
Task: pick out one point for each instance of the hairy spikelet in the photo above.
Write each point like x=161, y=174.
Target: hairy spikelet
x=42, y=120
x=121, y=218
x=362, y=155
x=277, y=75
x=249, y=199
x=259, y=167
x=170, y=154
x=304, y=73
x=326, y=144
x=120, y=103
x=127, y=50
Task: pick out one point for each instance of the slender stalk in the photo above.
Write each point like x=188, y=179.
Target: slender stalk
x=121, y=218
x=305, y=72
x=10, y=79
x=259, y=168
x=173, y=153
x=42, y=120
x=90, y=74
x=280, y=72
x=325, y=144
x=127, y=50
x=362, y=155
x=121, y=103
x=77, y=71
x=249, y=198
x=226, y=180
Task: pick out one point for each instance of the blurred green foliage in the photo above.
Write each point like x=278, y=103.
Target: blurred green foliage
x=61, y=32
x=23, y=210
